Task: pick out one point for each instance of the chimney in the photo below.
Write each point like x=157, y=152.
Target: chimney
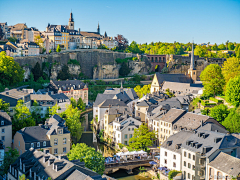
x=202, y=123
x=59, y=157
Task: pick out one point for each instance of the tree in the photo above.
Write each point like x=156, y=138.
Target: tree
x=64, y=73
x=219, y=112
x=172, y=174
x=230, y=46
x=134, y=48
x=215, y=47
x=233, y=91
x=12, y=39
x=50, y=51
x=58, y=48
x=38, y=40
x=170, y=94
x=232, y=122
x=222, y=47
x=37, y=72
x=200, y=51
x=9, y=158
x=124, y=70
x=93, y=160
x=122, y=42
x=4, y=106
x=164, y=70
x=72, y=116
x=102, y=46
x=10, y=71
x=36, y=112
x=22, y=117
x=81, y=105
x=52, y=110
x=142, y=138
x=23, y=177
x=213, y=80
x=73, y=102
x=142, y=90
x=231, y=68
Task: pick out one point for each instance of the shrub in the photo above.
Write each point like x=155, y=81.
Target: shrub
x=73, y=61
x=172, y=174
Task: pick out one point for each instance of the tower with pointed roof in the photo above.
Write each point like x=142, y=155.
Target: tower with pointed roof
x=98, y=29
x=71, y=22
x=192, y=72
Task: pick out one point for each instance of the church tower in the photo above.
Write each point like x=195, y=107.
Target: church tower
x=98, y=29
x=71, y=22
x=192, y=71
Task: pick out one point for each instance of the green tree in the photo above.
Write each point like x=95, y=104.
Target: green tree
x=93, y=160
x=37, y=72
x=10, y=71
x=133, y=47
x=72, y=116
x=215, y=47
x=142, y=138
x=64, y=73
x=172, y=174
x=164, y=70
x=170, y=94
x=36, y=112
x=213, y=80
x=38, y=40
x=219, y=112
x=233, y=91
x=81, y=105
x=23, y=177
x=22, y=117
x=52, y=110
x=58, y=48
x=103, y=46
x=200, y=51
x=231, y=68
x=232, y=122
x=12, y=39
x=222, y=47
x=4, y=106
x=73, y=102
x=9, y=158
x=205, y=111
x=124, y=70
x=50, y=51
x=142, y=90
x=230, y=46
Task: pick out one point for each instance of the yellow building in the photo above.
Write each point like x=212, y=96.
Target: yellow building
x=65, y=39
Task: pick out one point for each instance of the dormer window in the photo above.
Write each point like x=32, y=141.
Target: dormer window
x=32, y=145
x=60, y=131
x=38, y=144
x=2, y=123
x=44, y=143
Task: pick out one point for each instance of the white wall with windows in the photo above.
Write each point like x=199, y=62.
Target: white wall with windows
x=188, y=164
x=170, y=159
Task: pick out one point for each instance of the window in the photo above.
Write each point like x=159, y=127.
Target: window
x=165, y=161
x=64, y=140
x=174, y=164
x=165, y=153
x=3, y=138
x=3, y=130
x=125, y=142
x=193, y=178
x=55, y=151
x=130, y=135
x=188, y=175
x=193, y=167
x=184, y=163
x=189, y=155
x=18, y=143
x=174, y=156
x=185, y=154
x=2, y=123
x=126, y=136
x=32, y=145
x=189, y=165
x=129, y=129
x=193, y=157
x=44, y=143
x=56, y=141
x=38, y=144
x=118, y=135
x=132, y=129
x=64, y=149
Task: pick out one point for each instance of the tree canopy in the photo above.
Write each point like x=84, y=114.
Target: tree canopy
x=4, y=106
x=64, y=73
x=142, y=90
x=93, y=160
x=232, y=122
x=37, y=72
x=231, y=68
x=133, y=47
x=233, y=91
x=58, y=48
x=213, y=80
x=122, y=42
x=142, y=138
x=124, y=70
x=10, y=71
x=219, y=112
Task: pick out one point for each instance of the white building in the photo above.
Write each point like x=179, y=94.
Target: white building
x=123, y=128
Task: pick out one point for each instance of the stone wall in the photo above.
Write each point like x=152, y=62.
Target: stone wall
x=106, y=71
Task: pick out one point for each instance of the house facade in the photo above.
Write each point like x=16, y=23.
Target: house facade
x=5, y=130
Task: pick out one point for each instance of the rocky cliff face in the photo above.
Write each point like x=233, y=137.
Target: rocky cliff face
x=106, y=71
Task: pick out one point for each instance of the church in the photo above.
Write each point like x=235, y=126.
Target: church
x=181, y=84
x=68, y=38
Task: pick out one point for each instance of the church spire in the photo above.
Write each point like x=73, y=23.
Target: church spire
x=192, y=57
x=98, y=29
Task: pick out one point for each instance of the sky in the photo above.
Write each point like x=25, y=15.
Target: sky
x=203, y=21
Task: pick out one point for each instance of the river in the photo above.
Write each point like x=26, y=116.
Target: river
x=87, y=138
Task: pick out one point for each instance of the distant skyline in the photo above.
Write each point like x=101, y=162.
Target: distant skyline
x=214, y=21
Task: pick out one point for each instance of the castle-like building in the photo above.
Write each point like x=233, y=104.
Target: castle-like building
x=68, y=38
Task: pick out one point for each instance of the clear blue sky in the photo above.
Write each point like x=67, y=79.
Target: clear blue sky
x=140, y=20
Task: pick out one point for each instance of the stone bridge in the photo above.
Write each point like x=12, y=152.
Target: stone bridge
x=129, y=166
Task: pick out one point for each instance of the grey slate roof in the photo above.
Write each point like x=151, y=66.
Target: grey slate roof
x=66, y=85
x=13, y=95
x=102, y=97
x=209, y=126
x=173, y=78
x=173, y=115
x=177, y=140
x=59, y=96
x=119, y=110
x=34, y=134
x=172, y=102
x=111, y=102
x=227, y=164
x=211, y=140
x=5, y=118
x=127, y=121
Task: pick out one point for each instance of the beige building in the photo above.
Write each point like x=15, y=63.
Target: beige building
x=5, y=130
x=53, y=137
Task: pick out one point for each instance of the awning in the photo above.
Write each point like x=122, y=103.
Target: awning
x=152, y=163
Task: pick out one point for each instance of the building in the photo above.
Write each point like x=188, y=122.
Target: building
x=39, y=165
x=2, y=153
x=62, y=101
x=40, y=103
x=13, y=96
x=53, y=137
x=159, y=79
x=5, y=130
x=71, y=88
x=123, y=128
x=224, y=166
x=158, y=62
x=4, y=28
x=17, y=31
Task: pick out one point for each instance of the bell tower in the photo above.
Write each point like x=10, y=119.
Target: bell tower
x=192, y=71
x=71, y=22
